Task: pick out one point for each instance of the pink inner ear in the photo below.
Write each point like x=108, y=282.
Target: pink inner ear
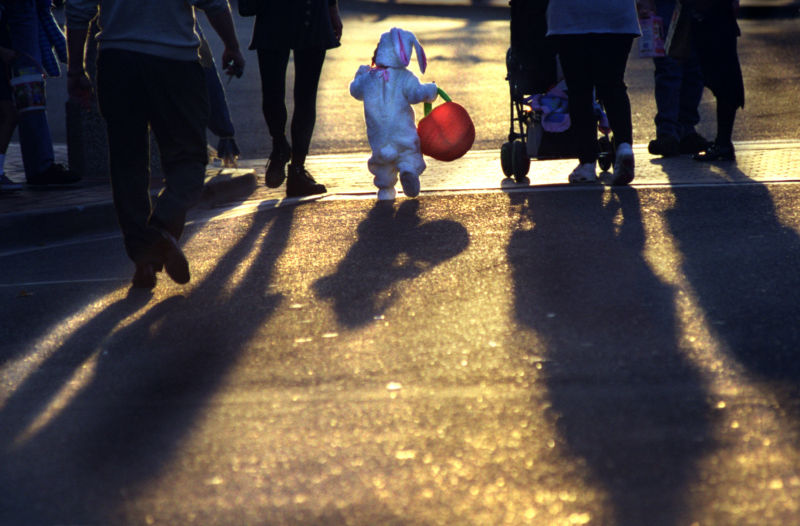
x=399, y=46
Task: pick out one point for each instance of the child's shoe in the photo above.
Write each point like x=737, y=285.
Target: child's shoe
x=623, y=165
x=583, y=173
x=410, y=184
x=386, y=194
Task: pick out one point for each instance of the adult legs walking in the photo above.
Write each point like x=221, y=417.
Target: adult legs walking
x=308, y=67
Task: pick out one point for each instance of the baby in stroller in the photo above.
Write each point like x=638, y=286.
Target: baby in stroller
x=540, y=124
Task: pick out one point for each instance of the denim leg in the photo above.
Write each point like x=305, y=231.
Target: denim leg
x=668, y=77
x=691, y=93
x=34, y=131
x=219, y=122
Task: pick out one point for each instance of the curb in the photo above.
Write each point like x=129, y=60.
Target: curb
x=37, y=227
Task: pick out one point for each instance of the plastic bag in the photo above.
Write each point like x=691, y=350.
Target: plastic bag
x=651, y=43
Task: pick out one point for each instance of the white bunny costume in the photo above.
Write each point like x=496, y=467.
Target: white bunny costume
x=388, y=90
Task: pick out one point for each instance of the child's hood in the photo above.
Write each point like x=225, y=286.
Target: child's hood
x=394, y=50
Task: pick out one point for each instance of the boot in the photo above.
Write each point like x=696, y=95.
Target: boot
x=300, y=183
x=276, y=165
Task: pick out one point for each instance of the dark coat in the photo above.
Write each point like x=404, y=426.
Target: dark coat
x=293, y=24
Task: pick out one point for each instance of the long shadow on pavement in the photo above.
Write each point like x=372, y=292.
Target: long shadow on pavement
x=627, y=400
x=741, y=248
x=152, y=379
x=393, y=245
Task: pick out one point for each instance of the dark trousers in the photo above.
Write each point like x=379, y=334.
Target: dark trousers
x=307, y=66
x=594, y=64
x=138, y=93
x=678, y=87
x=715, y=39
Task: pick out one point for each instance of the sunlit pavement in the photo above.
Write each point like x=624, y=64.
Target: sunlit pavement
x=554, y=355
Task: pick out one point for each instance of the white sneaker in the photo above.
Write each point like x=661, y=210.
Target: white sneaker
x=584, y=173
x=623, y=165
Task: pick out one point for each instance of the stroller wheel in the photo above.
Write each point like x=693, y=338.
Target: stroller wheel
x=605, y=156
x=520, y=162
x=505, y=159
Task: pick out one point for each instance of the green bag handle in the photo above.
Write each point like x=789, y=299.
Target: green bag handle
x=428, y=107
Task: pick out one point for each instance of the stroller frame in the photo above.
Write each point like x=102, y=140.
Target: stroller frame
x=532, y=68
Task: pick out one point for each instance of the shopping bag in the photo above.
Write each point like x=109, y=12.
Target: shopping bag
x=651, y=43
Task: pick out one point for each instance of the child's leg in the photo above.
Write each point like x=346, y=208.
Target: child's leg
x=410, y=168
x=385, y=179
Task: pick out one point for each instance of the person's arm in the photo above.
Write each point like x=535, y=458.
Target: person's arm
x=79, y=87
x=79, y=16
x=232, y=58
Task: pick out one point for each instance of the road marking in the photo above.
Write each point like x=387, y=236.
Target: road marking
x=62, y=282
x=60, y=244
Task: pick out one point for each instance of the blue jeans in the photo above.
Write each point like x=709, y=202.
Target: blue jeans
x=34, y=131
x=219, y=121
x=679, y=87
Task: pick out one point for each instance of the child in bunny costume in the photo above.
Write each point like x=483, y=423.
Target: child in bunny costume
x=388, y=90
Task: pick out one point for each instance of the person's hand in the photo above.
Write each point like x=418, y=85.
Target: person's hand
x=336, y=22
x=7, y=55
x=233, y=62
x=79, y=89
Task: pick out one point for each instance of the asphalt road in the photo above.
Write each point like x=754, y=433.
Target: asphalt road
x=547, y=357
x=558, y=356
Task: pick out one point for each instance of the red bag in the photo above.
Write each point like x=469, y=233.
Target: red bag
x=447, y=132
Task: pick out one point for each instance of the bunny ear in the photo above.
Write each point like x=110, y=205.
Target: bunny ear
x=422, y=60
x=399, y=46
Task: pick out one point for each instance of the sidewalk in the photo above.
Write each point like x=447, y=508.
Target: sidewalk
x=39, y=215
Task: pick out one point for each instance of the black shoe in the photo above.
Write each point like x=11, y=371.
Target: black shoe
x=171, y=255
x=276, y=167
x=55, y=174
x=716, y=152
x=300, y=183
x=144, y=277
x=664, y=145
x=694, y=143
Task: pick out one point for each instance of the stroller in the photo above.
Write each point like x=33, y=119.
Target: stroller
x=533, y=75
